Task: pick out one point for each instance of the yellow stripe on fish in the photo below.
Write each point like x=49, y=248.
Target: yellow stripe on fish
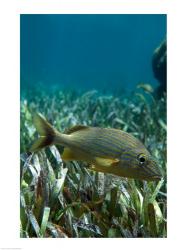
x=107, y=150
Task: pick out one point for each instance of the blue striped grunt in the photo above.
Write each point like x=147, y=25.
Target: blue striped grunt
x=106, y=150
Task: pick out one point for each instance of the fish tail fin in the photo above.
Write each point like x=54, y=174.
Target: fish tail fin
x=46, y=131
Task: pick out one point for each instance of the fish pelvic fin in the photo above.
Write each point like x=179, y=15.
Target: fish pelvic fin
x=98, y=169
x=46, y=131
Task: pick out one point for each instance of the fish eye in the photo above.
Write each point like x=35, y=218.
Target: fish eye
x=141, y=158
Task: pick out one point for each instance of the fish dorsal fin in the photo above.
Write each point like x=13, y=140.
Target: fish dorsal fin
x=75, y=129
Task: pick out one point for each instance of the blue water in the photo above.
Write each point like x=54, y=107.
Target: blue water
x=104, y=52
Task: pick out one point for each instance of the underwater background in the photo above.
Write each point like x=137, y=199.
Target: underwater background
x=83, y=52
x=97, y=70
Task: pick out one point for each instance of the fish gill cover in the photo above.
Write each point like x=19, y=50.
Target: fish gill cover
x=84, y=69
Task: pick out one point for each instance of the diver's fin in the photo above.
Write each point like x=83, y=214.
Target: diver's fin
x=104, y=162
x=68, y=155
x=75, y=129
x=46, y=131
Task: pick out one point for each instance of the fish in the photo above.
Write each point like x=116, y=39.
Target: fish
x=106, y=150
x=146, y=87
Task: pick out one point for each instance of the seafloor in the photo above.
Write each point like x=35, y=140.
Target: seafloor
x=61, y=199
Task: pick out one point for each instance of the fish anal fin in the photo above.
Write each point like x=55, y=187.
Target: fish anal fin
x=105, y=162
x=68, y=155
x=75, y=129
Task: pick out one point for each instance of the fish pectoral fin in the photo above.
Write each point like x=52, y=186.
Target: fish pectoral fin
x=68, y=155
x=105, y=162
